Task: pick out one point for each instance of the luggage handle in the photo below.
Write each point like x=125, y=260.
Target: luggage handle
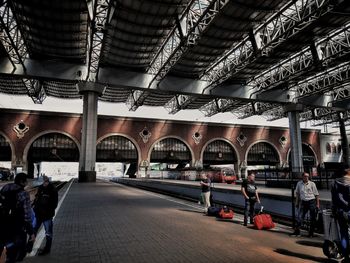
x=261, y=209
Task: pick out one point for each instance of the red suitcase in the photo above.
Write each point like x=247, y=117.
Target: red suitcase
x=226, y=213
x=263, y=221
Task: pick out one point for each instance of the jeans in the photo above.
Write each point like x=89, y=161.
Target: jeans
x=303, y=209
x=343, y=221
x=48, y=225
x=206, y=200
x=249, y=210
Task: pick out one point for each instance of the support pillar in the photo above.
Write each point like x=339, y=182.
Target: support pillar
x=295, y=138
x=90, y=92
x=344, y=141
x=296, y=148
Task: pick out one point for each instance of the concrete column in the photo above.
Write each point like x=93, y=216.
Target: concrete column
x=344, y=141
x=90, y=92
x=295, y=138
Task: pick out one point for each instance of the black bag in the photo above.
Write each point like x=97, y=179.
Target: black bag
x=213, y=211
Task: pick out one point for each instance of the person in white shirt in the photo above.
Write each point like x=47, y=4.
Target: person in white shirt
x=307, y=200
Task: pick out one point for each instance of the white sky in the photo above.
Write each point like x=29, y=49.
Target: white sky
x=120, y=109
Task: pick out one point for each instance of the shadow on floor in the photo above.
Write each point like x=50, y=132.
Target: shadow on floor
x=310, y=243
x=300, y=255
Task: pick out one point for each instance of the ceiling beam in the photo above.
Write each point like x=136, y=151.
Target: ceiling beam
x=187, y=32
x=293, y=18
x=102, y=12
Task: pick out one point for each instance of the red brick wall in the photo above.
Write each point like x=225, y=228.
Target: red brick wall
x=71, y=124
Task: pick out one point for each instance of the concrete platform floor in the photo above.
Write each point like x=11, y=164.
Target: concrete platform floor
x=108, y=222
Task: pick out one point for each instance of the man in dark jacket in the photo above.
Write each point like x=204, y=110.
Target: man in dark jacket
x=18, y=222
x=45, y=204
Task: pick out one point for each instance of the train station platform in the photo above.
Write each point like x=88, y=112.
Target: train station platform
x=112, y=222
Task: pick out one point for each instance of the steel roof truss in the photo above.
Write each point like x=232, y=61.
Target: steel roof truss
x=35, y=90
x=342, y=93
x=283, y=71
x=217, y=105
x=324, y=81
x=322, y=51
x=199, y=15
x=290, y=21
x=336, y=45
x=283, y=25
x=244, y=111
x=178, y=102
x=136, y=99
x=103, y=11
x=274, y=114
x=11, y=37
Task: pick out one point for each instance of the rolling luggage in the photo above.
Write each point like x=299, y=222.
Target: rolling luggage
x=263, y=221
x=226, y=213
x=213, y=211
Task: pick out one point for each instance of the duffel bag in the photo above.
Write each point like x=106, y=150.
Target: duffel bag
x=226, y=213
x=263, y=221
x=213, y=211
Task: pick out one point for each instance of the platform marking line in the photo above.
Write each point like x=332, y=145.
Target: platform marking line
x=41, y=234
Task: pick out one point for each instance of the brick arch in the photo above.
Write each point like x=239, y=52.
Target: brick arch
x=137, y=146
x=219, y=139
x=308, y=145
x=13, y=151
x=166, y=137
x=266, y=141
x=30, y=142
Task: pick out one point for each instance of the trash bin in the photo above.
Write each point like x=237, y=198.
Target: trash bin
x=330, y=226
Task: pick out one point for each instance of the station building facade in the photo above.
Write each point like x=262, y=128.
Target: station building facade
x=27, y=137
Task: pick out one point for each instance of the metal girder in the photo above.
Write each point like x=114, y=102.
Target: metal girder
x=331, y=118
x=102, y=13
x=178, y=102
x=35, y=90
x=11, y=37
x=317, y=113
x=197, y=18
x=323, y=81
x=254, y=108
x=306, y=115
x=323, y=51
x=341, y=93
x=286, y=23
x=136, y=99
x=274, y=114
x=244, y=111
x=217, y=105
x=283, y=71
x=338, y=43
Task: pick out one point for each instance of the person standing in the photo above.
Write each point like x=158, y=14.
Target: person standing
x=45, y=203
x=18, y=221
x=341, y=206
x=307, y=200
x=251, y=196
x=205, y=186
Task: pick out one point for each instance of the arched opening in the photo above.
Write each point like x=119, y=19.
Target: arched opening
x=55, y=155
x=220, y=161
x=309, y=158
x=168, y=158
x=116, y=156
x=5, y=159
x=264, y=159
